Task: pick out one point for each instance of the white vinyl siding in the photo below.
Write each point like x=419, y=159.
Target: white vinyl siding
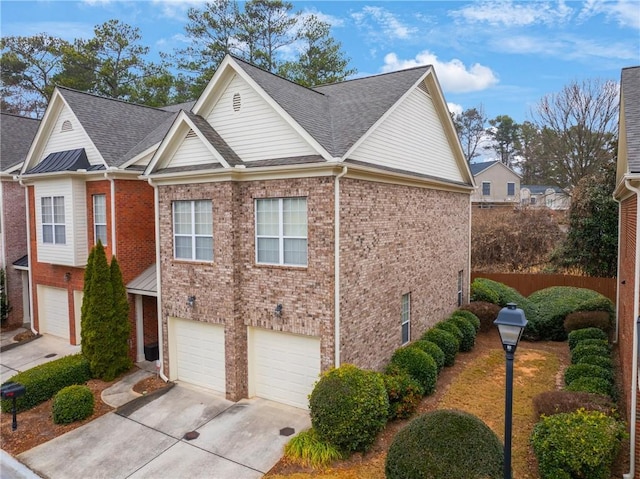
x=256, y=131
x=412, y=139
x=405, y=317
x=193, y=230
x=100, y=218
x=281, y=231
x=191, y=152
x=53, y=224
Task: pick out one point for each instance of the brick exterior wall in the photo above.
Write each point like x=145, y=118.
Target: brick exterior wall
x=15, y=236
x=393, y=240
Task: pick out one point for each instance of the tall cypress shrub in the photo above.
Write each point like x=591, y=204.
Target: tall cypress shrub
x=86, y=328
x=121, y=328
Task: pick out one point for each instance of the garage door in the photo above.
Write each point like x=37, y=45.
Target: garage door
x=283, y=367
x=53, y=311
x=197, y=354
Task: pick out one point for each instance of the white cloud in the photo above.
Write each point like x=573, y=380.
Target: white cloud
x=626, y=13
x=455, y=108
x=177, y=9
x=453, y=75
x=65, y=30
x=514, y=14
x=381, y=22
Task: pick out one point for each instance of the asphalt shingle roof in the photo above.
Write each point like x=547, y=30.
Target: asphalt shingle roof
x=630, y=84
x=477, y=168
x=16, y=135
x=215, y=139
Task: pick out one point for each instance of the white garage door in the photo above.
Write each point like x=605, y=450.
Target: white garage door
x=53, y=311
x=283, y=367
x=197, y=353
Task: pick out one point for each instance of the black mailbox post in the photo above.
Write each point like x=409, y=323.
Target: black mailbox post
x=12, y=391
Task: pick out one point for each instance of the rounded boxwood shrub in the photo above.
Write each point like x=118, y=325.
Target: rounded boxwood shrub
x=419, y=365
x=446, y=342
x=468, y=340
x=582, y=350
x=576, y=371
x=578, y=444
x=445, y=443
x=469, y=316
x=595, y=342
x=453, y=329
x=404, y=393
x=586, y=333
x=483, y=291
x=592, y=385
x=602, y=361
x=432, y=349
x=73, y=403
x=349, y=407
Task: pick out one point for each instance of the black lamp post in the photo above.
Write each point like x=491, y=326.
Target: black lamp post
x=511, y=322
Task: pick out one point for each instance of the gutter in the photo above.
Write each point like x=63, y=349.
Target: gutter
x=336, y=267
x=31, y=259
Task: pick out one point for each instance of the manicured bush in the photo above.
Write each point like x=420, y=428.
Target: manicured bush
x=592, y=385
x=576, y=371
x=44, y=381
x=602, y=361
x=73, y=403
x=556, y=402
x=506, y=295
x=578, y=335
x=307, y=449
x=445, y=443
x=578, y=444
x=485, y=312
x=469, y=316
x=419, y=365
x=432, y=349
x=595, y=342
x=404, y=393
x=582, y=350
x=453, y=329
x=588, y=319
x=445, y=341
x=483, y=291
x=468, y=340
x=555, y=303
x=349, y=407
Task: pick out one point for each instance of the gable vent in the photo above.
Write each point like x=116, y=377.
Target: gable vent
x=66, y=126
x=423, y=87
x=191, y=134
x=236, y=102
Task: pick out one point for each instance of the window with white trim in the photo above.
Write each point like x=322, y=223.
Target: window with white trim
x=53, y=225
x=100, y=218
x=486, y=188
x=193, y=230
x=406, y=318
x=511, y=188
x=460, y=287
x=281, y=231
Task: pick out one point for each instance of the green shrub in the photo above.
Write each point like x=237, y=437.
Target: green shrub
x=73, y=403
x=307, y=449
x=482, y=291
x=419, y=365
x=404, y=393
x=556, y=402
x=445, y=341
x=602, y=361
x=582, y=350
x=468, y=332
x=576, y=371
x=485, y=311
x=349, y=407
x=581, y=444
x=555, y=303
x=44, y=381
x=432, y=349
x=595, y=342
x=469, y=316
x=445, y=443
x=453, y=329
x=506, y=295
x=588, y=319
x=592, y=385
x=578, y=335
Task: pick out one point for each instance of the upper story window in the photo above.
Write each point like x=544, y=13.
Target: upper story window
x=100, y=218
x=511, y=189
x=193, y=230
x=486, y=188
x=406, y=318
x=53, y=225
x=281, y=231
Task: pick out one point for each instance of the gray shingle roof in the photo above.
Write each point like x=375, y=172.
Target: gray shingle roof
x=215, y=139
x=114, y=126
x=630, y=85
x=477, y=168
x=16, y=135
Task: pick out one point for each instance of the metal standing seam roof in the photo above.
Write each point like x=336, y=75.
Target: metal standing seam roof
x=145, y=283
x=630, y=85
x=16, y=134
x=22, y=263
x=69, y=160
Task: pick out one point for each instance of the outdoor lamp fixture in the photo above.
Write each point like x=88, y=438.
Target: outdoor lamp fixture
x=191, y=300
x=278, y=310
x=511, y=322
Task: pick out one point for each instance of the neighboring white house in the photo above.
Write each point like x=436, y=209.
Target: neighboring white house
x=539, y=196
x=497, y=184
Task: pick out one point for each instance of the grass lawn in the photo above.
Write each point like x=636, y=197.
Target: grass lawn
x=476, y=384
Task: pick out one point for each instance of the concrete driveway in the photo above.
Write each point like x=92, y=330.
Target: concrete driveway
x=146, y=440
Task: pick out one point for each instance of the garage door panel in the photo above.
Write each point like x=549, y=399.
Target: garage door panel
x=53, y=311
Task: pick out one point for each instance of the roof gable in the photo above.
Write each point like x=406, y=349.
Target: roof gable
x=17, y=133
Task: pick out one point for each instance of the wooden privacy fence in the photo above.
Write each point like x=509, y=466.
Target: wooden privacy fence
x=527, y=283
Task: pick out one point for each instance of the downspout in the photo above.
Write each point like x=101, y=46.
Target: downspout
x=113, y=212
x=29, y=255
x=636, y=346
x=336, y=267
x=616, y=335
x=156, y=213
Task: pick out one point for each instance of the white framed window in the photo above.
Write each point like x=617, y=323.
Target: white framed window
x=486, y=188
x=100, y=218
x=511, y=188
x=193, y=230
x=406, y=318
x=460, y=287
x=281, y=231
x=53, y=225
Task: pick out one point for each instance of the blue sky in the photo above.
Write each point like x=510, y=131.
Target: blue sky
x=504, y=55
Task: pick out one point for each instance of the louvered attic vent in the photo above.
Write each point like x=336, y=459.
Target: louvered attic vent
x=237, y=101
x=66, y=126
x=191, y=134
x=424, y=88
